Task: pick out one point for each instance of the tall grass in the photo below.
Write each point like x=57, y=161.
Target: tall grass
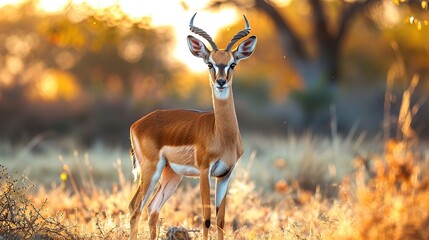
x=381, y=195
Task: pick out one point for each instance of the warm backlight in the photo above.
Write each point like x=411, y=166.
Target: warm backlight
x=174, y=14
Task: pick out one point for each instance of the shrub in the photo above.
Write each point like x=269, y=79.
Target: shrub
x=20, y=219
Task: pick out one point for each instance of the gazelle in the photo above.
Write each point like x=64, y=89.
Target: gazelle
x=169, y=144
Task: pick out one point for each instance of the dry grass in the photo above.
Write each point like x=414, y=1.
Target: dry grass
x=295, y=188
x=20, y=218
x=385, y=195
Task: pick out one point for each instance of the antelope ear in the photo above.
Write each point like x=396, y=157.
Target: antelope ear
x=245, y=49
x=197, y=47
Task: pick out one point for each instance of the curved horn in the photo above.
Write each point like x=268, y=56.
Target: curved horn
x=239, y=35
x=201, y=32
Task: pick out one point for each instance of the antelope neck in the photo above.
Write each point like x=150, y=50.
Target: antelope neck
x=226, y=124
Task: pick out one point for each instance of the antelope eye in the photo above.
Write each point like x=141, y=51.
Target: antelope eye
x=232, y=66
x=210, y=65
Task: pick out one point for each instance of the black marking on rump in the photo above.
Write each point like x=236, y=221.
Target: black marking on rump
x=133, y=158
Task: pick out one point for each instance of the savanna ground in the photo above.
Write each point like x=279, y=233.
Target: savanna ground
x=291, y=187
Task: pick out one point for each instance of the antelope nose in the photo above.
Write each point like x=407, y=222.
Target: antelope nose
x=221, y=82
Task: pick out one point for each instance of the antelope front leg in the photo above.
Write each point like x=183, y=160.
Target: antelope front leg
x=220, y=217
x=221, y=189
x=205, y=198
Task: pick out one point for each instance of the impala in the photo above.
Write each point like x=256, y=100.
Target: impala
x=169, y=144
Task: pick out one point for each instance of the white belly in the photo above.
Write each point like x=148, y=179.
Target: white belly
x=185, y=170
x=217, y=169
x=182, y=161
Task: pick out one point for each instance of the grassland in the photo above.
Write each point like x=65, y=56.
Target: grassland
x=290, y=187
x=297, y=187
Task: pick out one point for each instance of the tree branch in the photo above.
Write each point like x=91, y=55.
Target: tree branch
x=322, y=35
x=348, y=15
x=291, y=44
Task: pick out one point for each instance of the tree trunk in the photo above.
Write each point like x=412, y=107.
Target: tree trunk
x=320, y=74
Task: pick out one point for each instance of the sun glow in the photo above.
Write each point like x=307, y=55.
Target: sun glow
x=50, y=6
x=162, y=13
x=54, y=84
x=212, y=23
x=177, y=14
x=11, y=2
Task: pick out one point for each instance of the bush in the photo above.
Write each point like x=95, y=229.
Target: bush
x=20, y=219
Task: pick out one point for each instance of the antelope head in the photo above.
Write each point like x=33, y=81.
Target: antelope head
x=221, y=62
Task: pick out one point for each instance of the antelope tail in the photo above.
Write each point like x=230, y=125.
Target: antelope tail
x=135, y=164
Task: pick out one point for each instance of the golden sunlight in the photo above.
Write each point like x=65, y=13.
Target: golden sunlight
x=211, y=22
x=51, y=6
x=282, y=3
x=53, y=85
x=176, y=16
x=10, y=2
x=162, y=13
x=48, y=87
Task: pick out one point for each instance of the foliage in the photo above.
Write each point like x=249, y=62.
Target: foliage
x=354, y=37
x=86, y=74
x=418, y=15
x=313, y=54
x=63, y=74
x=21, y=219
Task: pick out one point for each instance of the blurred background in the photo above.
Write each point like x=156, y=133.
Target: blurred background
x=75, y=73
x=333, y=103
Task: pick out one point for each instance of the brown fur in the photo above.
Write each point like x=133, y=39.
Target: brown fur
x=215, y=136
x=212, y=136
